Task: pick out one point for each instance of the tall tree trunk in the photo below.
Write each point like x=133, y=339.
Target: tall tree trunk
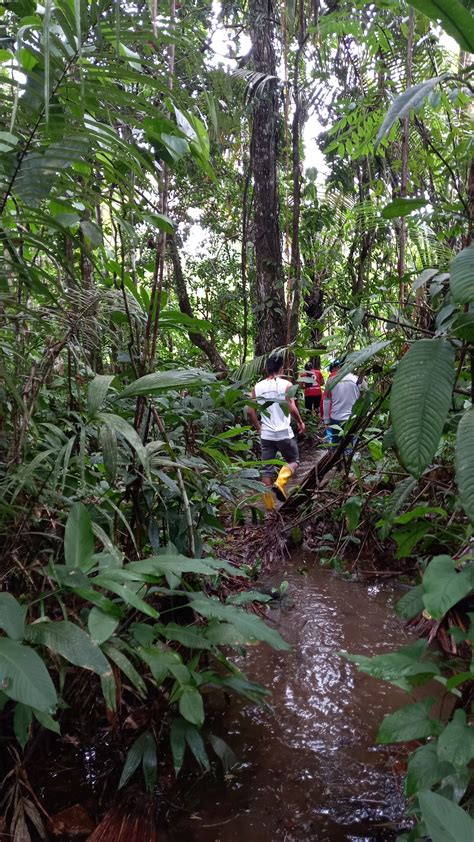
x=404, y=170
x=268, y=299
x=196, y=338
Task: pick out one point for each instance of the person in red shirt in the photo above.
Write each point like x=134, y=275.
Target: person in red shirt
x=312, y=380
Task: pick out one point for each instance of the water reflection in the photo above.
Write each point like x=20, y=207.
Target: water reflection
x=310, y=770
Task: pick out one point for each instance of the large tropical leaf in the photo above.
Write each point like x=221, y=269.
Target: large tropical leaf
x=24, y=677
x=445, y=821
x=70, y=641
x=462, y=276
x=443, y=586
x=161, y=381
x=11, y=616
x=420, y=401
x=455, y=19
x=78, y=538
x=411, y=98
x=465, y=462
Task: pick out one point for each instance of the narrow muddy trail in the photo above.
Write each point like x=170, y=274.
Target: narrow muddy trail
x=309, y=769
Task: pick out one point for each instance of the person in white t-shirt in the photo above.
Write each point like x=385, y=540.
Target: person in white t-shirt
x=274, y=427
x=338, y=403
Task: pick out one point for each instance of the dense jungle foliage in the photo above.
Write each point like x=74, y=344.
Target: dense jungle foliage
x=183, y=189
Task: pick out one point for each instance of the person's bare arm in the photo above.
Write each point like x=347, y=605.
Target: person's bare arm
x=294, y=412
x=252, y=415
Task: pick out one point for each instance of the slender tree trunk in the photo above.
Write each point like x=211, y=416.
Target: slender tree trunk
x=269, y=301
x=196, y=338
x=404, y=170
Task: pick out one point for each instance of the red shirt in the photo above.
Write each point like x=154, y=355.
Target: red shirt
x=314, y=388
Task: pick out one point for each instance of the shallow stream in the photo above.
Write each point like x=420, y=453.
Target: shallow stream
x=309, y=769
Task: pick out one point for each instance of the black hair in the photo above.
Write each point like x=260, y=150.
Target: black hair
x=274, y=364
x=335, y=364
x=308, y=366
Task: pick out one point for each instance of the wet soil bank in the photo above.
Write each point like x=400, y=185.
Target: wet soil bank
x=309, y=768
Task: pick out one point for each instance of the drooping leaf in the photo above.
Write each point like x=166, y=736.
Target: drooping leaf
x=354, y=361
x=101, y=626
x=456, y=743
x=251, y=626
x=425, y=769
x=97, y=392
x=78, y=538
x=71, y=642
x=443, y=586
x=189, y=636
x=224, y=752
x=411, y=603
x=402, y=207
x=143, y=747
x=24, y=677
x=411, y=722
x=21, y=723
x=395, y=665
x=445, y=821
x=191, y=706
x=11, y=616
x=465, y=462
x=461, y=280
x=420, y=401
x=124, y=429
x=108, y=444
x=123, y=663
x=455, y=19
x=413, y=97
x=160, y=381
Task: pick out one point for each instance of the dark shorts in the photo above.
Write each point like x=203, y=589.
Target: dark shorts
x=288, y=449
x=312, y=402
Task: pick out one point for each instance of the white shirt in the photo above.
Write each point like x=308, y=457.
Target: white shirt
x=339, y=401
x=275, y=424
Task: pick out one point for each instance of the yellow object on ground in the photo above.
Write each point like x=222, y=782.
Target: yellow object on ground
x=268, y=501
x=280, y=482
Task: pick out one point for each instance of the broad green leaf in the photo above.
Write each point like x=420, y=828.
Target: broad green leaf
x=160, y=661
x=443, y=586
x=445, y=821
x=465, y=462
x=456, y=743
x=189, y=636
x=251, y=626
x=101, y=626
x=78, y=538
x=411, y=722
x=128, y=596
x=191, y=706
x=109, y=690
x=411, y=98
x=47, y=721
x=164, y=380
x=425, y=769
x=420, y=400
x=407, y=537
x=424, y=277
x=70, y=641
x=352, y=509
x=354, y=361
x=455, y=19
x=395, y=665
x=402, y=207
x=411, y=603
x=11, y=616
x=97, y=392
x=24, y=677
x=462, y=275
x=196, y=744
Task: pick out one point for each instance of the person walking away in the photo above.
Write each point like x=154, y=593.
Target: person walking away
x=338, y=403
x=274, y=428
x=312, y=381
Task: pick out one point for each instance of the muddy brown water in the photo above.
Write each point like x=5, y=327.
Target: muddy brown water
x=309, y=769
